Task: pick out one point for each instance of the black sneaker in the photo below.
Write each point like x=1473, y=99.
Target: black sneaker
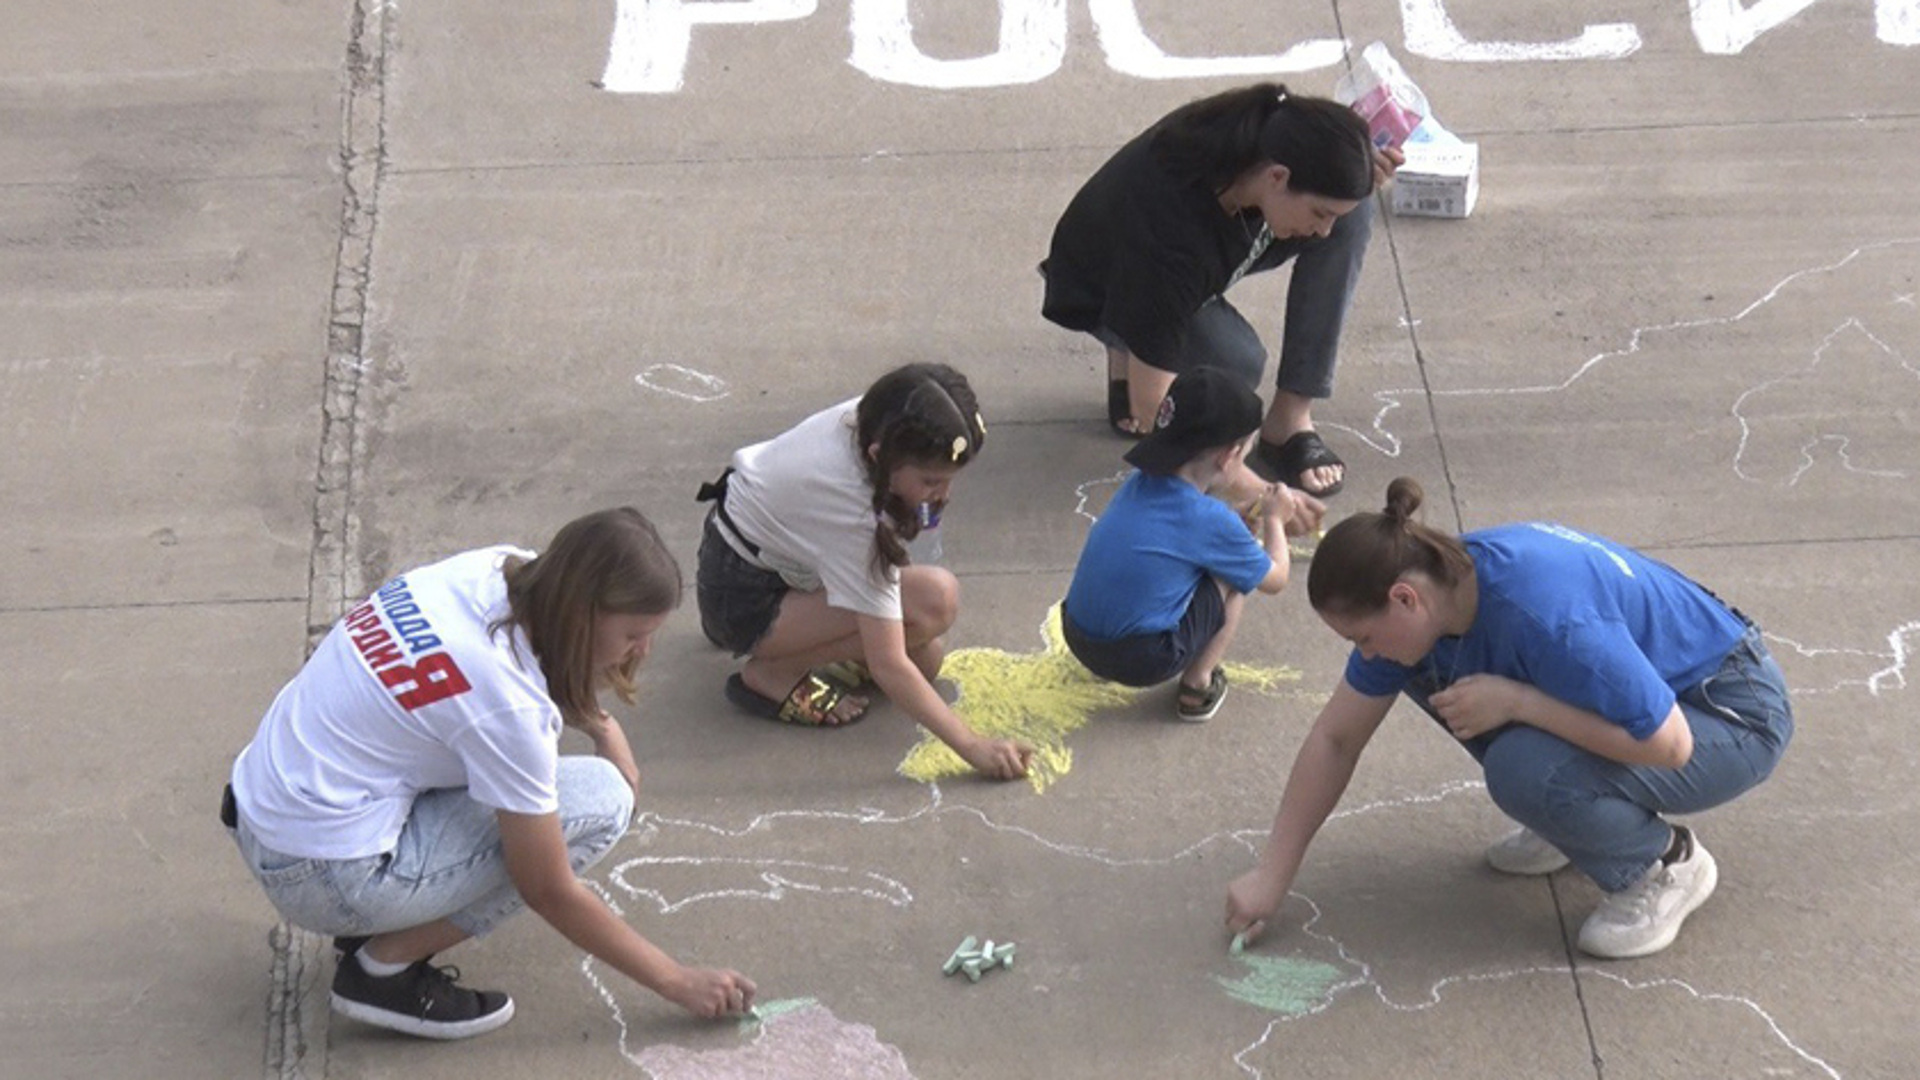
x=348, y=945
x=423, y=1000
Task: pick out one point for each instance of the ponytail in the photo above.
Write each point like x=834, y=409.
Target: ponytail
x=920, y=414
x=1363, y=556
x=1214, y=141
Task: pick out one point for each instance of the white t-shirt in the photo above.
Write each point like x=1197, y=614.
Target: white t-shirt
x=804, y=498
x=407, y=693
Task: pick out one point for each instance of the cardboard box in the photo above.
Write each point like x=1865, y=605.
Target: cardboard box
x=1438, y=180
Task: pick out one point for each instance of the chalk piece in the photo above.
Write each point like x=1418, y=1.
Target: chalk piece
x=1004, y=952
x=1239, y=944
x=972, y=968
x=986, y=950
x=753, y=1013
x=959, y=956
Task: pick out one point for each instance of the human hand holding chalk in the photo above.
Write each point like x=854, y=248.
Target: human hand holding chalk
x=1252, y=899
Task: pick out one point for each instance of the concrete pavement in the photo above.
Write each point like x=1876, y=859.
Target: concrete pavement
x=301, y=295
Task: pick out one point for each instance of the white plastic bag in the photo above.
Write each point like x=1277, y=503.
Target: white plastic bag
x=1379, y=90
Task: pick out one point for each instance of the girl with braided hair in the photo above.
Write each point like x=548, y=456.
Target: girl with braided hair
x=1599, y=689
x=804, y=568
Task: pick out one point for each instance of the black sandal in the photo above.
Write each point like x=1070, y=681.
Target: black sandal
x=809, y=704
x=1303, y=452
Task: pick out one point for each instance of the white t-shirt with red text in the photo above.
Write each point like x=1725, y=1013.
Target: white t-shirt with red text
x=409, y=692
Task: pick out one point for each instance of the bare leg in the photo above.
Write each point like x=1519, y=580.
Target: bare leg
x=415, y=943
x=1199, y=674
x=1289, y=415
x=929, y=605
x=806, y=634
x=1146, y=386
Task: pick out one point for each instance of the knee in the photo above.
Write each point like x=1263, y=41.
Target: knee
x=1518, y=775
x=602, y=802
x=930, y=596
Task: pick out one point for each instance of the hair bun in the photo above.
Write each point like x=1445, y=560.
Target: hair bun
x=1403, y=499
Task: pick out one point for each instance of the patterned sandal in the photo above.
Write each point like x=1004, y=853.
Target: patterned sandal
x=810, y=703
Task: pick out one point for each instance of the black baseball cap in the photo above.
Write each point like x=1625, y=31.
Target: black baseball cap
x=1205, y=409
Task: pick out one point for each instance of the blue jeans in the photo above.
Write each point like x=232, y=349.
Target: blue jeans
x=1326, y=270
x=448, y=863
x=1606, y=816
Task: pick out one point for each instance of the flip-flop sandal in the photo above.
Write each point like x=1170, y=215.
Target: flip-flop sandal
x=1303, y=451
x=1195, y=705
x=809, y=704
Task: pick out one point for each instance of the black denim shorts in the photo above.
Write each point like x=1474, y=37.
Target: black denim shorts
x=738, y=600
x=1151, y=659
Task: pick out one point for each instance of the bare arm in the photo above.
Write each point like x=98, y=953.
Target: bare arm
x=1482, y=703
x=1320, y=774
x=884, y=643
x=1276, y=510
x=536, y=857
x=610, y=742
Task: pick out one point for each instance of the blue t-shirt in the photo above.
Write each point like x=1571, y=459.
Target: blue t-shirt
x=1158, y=540
x=1589, y=622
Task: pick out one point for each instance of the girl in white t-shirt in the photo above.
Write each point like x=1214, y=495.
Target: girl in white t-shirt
x=406, y=791
x=804, y=568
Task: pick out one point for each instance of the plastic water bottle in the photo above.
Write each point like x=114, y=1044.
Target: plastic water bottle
x=925, y=549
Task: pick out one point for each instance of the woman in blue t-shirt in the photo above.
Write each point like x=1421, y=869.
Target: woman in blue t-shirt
x=1599, y=689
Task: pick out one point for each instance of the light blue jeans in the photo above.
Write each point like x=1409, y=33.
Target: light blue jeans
x=1606, y=816
x=448, y=863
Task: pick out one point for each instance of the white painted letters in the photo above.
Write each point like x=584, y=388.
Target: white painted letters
x=1033, y=41
x=1430, y=32
x=1131, y=52
x=1724, y=27
x=651, y=38
x=1897, y=22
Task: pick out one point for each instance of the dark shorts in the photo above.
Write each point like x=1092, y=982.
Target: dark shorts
x=738, y=600
x=1151, y=659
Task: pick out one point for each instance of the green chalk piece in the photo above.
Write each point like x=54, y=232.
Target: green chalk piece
x=959, y=956
x=987, y=949
x=1239, y=944
x=1004, y=951
x=753, y=1013
x=972, y=968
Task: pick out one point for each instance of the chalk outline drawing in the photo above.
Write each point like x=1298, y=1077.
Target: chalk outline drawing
x=709, y=387
x=1385, y=442
x=650, y=826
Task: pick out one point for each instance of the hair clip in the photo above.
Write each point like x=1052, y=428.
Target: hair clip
x=959, y=446
x=980, y=425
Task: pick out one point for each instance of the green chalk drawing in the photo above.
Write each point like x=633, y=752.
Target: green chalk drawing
x=767, y=1010
x=1288, y=986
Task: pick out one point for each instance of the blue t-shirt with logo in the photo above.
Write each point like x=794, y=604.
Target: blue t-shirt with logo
x=1158, y=540
x=1589, y=622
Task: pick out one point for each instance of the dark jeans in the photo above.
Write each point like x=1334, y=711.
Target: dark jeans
x=1325, y=273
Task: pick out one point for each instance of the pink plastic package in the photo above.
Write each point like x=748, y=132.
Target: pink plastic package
x=1383, y=95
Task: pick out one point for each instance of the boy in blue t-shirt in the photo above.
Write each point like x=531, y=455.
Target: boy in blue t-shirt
x=1160, y=586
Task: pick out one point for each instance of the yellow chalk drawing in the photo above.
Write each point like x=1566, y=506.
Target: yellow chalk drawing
x=1040, y=698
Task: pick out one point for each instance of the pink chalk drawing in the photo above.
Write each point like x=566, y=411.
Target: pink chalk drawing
x=806, y=1043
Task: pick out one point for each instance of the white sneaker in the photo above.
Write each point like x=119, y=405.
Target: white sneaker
x=1646, y=917
x=1526, y=853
